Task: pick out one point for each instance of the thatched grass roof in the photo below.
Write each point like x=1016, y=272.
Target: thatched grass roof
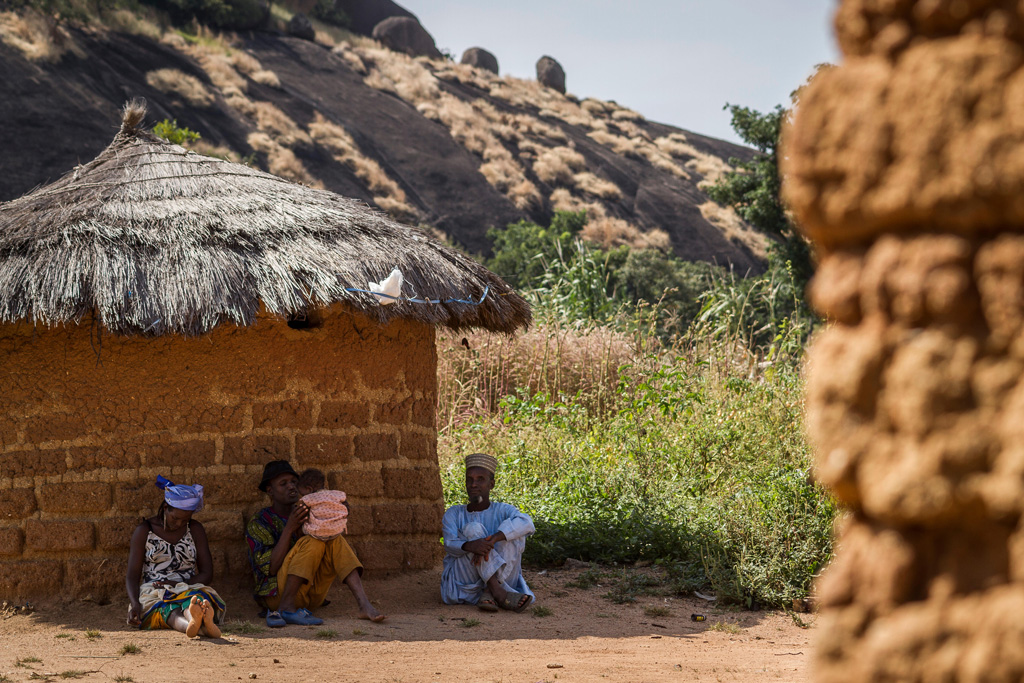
x=154, y=239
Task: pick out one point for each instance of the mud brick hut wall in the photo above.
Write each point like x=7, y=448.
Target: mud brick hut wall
x=906, y=166
x=87, y=422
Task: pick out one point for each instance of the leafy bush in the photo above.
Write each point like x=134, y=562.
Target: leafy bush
x=696, y=461
x=523, y=250
x=179, y=135
x=766, y=313
x=235, y=15
x=754, y=188
x=579, y=282
x=328, y=12
x=655, y=277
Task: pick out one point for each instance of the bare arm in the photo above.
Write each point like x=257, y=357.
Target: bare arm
x=133, y=577
x=300, y=513
x=204, y=561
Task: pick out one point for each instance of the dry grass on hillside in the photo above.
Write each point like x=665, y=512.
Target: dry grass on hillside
x=596, y=107
x=281, y=161
x=467, y=75
x=469, y=128
x=269, y=119
x=674, y=144
x=185, y=86
x=710, y=167
x=272, y=120
x=477, y=126
x=617, y=143
x=606, y=230
x=663, y=162
x=267, y=78
x=386, y=192
x=564, y=200
x=222, y=73
x=613, y=232
x=226, y=65
x=599, y=187
x=734, y=228
x=525, y=195
x=532, y=126
x=36, y=36
x=399, y=74
x=323, y=38
x=141, y=21
x=244, y=62
x=510, y=143
x=354, y=60
x=626, y=115
x=639, y=148
x=557, y=166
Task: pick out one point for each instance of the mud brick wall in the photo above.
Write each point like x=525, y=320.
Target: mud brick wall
x=87, y=422
x=906, y=166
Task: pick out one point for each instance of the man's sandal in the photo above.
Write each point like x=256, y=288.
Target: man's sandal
x=514, y=601
x=301, y=617
x=486, y=603
x=274, y=619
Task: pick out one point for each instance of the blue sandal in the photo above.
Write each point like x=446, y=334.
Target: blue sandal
x=301, y=617
x=274, y=620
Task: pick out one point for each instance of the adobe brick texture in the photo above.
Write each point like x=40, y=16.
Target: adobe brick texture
x=86, y=429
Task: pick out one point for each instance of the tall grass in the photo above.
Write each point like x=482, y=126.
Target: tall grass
x=625, y=445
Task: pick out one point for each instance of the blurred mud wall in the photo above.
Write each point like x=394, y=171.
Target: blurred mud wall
x=906, y=167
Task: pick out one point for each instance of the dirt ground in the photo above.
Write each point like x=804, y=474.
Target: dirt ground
x=585, y=637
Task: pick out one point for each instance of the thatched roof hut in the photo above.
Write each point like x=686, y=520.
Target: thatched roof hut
x=156, y=239
x=161, y=245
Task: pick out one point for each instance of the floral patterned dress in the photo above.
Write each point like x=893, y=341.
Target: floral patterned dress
x=172, y=563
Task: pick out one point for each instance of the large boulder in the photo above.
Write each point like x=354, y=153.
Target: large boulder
x=364, y=15
x=551, y=73
x=405, y=34
x=300, y=27
x=481, y=59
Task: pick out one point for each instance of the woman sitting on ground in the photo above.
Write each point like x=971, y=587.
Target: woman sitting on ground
x=169, y=567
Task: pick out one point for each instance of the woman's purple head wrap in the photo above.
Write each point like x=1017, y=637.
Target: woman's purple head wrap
x=181, y=496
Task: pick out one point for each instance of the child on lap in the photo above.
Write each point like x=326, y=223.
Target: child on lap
x=328, y=511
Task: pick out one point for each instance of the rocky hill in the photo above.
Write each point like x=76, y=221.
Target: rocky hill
x=445, y=145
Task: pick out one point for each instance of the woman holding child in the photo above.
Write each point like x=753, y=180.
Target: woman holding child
x=169, y=567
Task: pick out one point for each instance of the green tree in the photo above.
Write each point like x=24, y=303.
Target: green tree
x=524, y=250
x=753, y=189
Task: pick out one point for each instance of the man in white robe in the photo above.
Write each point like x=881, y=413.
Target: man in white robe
x=484, y=545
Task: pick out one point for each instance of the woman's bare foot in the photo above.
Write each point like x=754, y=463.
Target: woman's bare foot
x=370, y=612
x=195, y=617
x=211, y=628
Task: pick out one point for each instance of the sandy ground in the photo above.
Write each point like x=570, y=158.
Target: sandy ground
x=585, y=638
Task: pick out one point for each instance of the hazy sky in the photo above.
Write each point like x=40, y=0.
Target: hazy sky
x=674, y=61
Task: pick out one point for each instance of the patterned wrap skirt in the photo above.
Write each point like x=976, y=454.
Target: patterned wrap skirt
x=159, y=602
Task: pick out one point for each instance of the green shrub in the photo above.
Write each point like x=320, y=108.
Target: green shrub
x=179, y=135
x=233, y=15
x=523, y=250
x=575, y=282
x=697, y=463
x=328, y=12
